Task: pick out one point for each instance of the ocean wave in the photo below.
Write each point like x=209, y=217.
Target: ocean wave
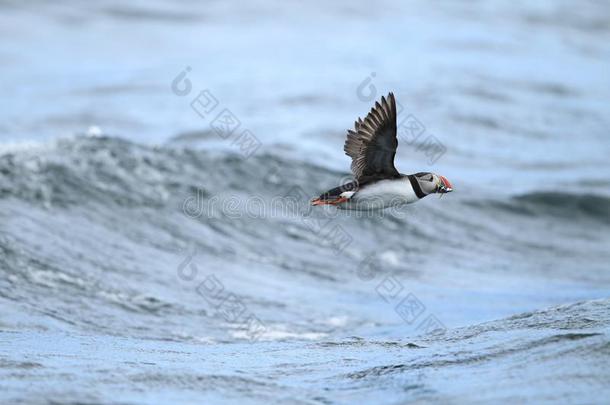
x=114, y=171
x=555, y=204
x=223, y=191
x=78, y=170
x=573, y=329
x=119, y=219
x=567, y=205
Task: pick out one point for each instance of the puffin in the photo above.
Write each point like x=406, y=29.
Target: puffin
x=378, y=185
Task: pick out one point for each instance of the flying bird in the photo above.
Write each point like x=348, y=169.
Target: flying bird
x=372, y=146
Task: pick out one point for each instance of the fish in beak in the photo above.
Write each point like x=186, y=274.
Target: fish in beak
x=444, y=185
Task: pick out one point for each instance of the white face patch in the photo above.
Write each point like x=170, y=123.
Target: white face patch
x=429, y=183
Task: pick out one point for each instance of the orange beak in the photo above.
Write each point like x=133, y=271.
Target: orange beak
x=445, y=186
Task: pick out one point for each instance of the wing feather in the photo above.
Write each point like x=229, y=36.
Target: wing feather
x=372, y=143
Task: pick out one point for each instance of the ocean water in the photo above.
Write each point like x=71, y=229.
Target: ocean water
x=156, y=241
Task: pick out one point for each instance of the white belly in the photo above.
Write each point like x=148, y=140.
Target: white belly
x=382, y=194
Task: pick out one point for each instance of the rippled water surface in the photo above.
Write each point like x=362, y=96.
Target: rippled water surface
x=146, y=259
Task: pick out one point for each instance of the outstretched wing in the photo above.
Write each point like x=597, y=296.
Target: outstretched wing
x=372, y=144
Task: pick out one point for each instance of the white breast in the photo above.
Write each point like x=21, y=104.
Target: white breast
x=382, y=194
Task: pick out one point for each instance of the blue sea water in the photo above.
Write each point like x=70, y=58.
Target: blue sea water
x=156, y=242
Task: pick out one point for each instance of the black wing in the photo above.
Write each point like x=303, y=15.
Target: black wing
x=372, y=144
x=336, y=192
